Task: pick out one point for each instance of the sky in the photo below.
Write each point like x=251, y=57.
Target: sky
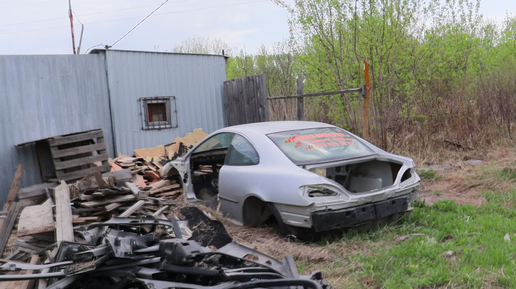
x=43, y=26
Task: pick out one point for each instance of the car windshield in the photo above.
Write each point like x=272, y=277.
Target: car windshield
x=318, y=145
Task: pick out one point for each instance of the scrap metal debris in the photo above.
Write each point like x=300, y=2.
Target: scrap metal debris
x=137, y=253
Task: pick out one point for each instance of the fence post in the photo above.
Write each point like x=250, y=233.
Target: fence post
x=300, y=101
x=365, y=107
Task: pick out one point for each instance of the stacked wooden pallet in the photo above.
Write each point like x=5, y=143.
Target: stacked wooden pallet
x=78, y=155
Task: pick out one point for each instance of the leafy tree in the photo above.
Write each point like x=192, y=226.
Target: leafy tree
x=203, y=45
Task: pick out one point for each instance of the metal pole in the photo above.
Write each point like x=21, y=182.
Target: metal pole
x=71, y=24
x=365, y=107
x=300, y=102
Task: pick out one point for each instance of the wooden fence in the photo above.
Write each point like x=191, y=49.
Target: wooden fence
x=245, y=100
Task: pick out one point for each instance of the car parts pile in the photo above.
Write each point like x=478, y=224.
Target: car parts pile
x=150, y=253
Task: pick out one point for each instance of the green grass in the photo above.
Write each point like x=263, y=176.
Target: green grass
x=478, y=256
x=429, y=175
x=506, y=174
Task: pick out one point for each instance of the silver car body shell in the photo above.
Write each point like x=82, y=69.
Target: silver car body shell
x=277, y=180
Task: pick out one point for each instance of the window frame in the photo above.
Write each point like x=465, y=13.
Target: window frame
x=170, y=112
x=199, y=149
x=231, y=147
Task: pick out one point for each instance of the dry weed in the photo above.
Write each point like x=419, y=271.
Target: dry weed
x=465, y=184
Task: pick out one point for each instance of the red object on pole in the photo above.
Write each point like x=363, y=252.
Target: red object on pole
x=71, y=24
x=365, y=107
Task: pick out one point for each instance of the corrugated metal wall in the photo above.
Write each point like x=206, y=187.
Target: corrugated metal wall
x=195, y=80
x=43, y=96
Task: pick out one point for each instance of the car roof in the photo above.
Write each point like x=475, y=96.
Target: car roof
x=277, y=126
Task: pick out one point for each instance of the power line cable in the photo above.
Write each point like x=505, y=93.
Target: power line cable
x=164, y=13
x=138, y=24
x=88, y=50
x=87, y=14
x=26, y=4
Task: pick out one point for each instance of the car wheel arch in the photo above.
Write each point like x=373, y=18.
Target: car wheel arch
x=255, y=211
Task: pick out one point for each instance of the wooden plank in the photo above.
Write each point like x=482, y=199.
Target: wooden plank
x=132, y=209
x=158, y=213
x=134, y=189
x=164, y=189
x=152, y=175
x=82, y=173
x=82, y=220
x=15, y=185
x=79, y=150
x=64, y=227
x=35, y=190
x=36, y=219
x=8, y=224
x=41, y=148
x=100, y=181
x=61, y=165
x=125, y=198
x=139, y=181
x=150, y=152
x=159, y=184
x=264, y=103
x=25, y=284
x=121, y=176
x=60, y=140
x=172, y=193
x=84, y=197
x=112, y=206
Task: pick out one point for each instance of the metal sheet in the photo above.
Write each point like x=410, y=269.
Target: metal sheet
x=49, y=95
x=43, y=96
x=195, y=80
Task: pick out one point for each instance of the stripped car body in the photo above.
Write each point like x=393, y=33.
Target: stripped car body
x=305, y=174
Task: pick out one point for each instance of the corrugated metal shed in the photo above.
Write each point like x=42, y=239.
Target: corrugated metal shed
x=43, y=96
x=196, y=81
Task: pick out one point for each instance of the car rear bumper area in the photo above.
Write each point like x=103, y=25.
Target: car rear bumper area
x=328, y=220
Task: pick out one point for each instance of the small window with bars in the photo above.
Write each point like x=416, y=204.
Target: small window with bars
x=158, y=112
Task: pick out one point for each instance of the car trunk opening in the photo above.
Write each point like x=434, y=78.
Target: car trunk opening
x=364, y=177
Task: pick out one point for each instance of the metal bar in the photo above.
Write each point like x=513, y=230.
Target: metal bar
x=351, y=90
x=177, y=229
x=31, y=276
x=25, y=266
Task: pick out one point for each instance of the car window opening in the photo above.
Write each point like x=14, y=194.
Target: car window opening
x=207, y=160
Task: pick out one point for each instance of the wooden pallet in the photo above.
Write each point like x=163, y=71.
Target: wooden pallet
x=74, y=156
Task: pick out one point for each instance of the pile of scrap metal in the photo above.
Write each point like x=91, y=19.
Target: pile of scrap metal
x=150, y=253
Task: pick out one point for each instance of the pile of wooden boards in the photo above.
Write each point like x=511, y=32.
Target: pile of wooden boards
x=145, y=166
x=48, y=212
x=92, y=199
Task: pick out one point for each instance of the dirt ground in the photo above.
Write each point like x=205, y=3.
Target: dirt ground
x=463, y=183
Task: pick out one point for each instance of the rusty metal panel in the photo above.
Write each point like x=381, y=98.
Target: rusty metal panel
x=43, y=96
x=194, y=83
